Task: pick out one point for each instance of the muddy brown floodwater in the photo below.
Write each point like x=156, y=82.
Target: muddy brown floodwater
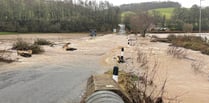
x=56, y=76
x=59, y=76
x=184, y=83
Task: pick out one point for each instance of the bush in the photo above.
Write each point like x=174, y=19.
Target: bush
x=190, y=42
x=171, y=37
x=197, y=66
x=177, y=52
x=23, y=45
x=42, y=42
x=205, y=51
x=137, y=87
x=36, y=49
x=188, y=28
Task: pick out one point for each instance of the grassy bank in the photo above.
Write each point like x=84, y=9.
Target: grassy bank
x=190, y=42
x=137, y=87
x=7, y=33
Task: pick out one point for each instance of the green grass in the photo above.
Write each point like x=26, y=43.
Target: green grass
x=168, y=12
x=127, y=14
x=7, y=33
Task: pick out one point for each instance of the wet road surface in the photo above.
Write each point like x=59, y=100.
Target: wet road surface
x=47, y=83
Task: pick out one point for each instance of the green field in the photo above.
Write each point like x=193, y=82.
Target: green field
x=7, y=33
x=126, y=14
x=168, y=12
x=164, y=11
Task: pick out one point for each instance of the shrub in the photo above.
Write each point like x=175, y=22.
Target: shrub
x=177, y=52
x=136, y=87
x=190, y=42
x=205, y=51
x=36, y=49
x=42, y=42
x=171, y=37
x=23, y=45
x=197, y=66
x=142, y=58
x=188, y=28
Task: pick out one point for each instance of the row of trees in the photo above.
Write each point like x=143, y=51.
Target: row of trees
x=182, y=19
x=80, y=16
x=142, y=21
x=183, y=16
x=57, y=15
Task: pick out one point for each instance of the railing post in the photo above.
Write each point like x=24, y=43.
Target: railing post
x=115, y=73
x=122, y=55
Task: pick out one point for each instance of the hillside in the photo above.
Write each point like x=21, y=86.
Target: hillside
x=164, y=11
x=126, y=14
x=149, y=6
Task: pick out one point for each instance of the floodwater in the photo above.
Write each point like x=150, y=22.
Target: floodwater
x=60, y=76
x=57, y=76
x=46, y=82
x=184, y=83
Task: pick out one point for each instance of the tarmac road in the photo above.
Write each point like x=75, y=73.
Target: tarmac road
x=57, y=76
x=58, y=83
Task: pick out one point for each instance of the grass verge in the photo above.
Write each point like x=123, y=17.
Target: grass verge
x=190, y=42
x=7, y=33
x=137, y=87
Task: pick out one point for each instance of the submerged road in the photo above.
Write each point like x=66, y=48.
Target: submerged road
x=47, y=83
x=57, y=76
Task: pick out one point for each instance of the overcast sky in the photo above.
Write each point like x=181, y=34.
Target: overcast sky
x=184, y=3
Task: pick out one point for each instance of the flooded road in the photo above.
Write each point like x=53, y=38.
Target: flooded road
x=47, y=83
x=57, y=76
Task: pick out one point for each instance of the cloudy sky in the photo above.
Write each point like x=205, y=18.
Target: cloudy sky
x=184, y=3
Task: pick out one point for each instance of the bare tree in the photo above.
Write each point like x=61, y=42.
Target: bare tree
x=141, y=23
x=188, y=28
